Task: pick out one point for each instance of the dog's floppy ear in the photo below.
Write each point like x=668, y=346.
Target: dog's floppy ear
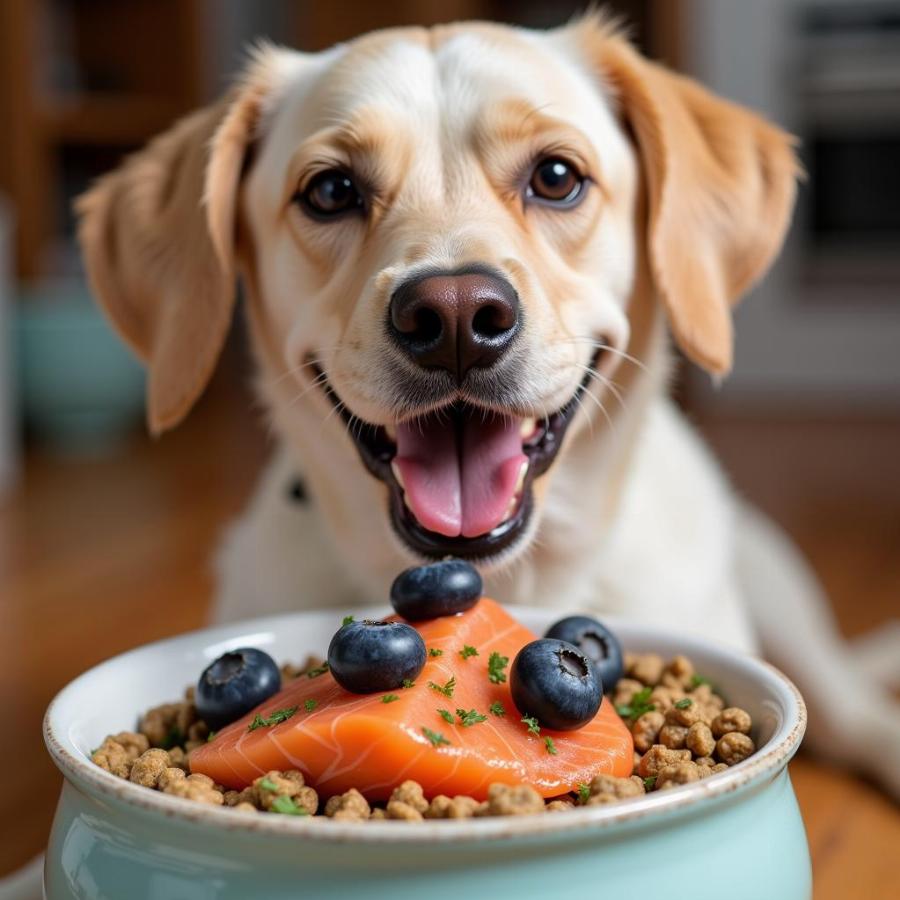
x=720, y=189
x=158, y=240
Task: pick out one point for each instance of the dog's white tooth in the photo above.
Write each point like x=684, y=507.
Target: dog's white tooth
x=511, y=508
x=520, y=481
x=398, y=474
x=528, y=427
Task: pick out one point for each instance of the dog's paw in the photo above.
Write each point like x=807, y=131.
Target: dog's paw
x=876, y=654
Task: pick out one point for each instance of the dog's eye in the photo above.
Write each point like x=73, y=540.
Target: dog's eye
x=331, y=193
x=555, y=181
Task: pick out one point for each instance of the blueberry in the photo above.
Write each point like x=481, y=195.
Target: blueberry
x=235, y=683
x=556, y=683
x=596, y=642
x=365, y=657
x=439, y=589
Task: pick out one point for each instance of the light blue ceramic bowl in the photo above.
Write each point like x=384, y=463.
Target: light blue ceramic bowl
x=736, y=834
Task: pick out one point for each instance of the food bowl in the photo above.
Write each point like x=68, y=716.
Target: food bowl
x=738, y=832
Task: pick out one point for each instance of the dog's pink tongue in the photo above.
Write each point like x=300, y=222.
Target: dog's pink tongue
x=459, y=480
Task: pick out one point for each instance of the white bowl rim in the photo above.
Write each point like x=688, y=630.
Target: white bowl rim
x=758, y=769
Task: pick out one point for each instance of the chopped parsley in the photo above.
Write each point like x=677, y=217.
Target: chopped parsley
x=268, y=785
x=640, y=704
x=551, y=747
x=684, y=704
x=649, y=782
x=496, y=709
x=584, y=792
x=470, y=717
x=310, y=704
x=496, y=665
x=347, y=621
x=408, y=683
x=532, y=724
x=389, y=698
x=697, y=680
x=467, y=651
x=287, y=807
x=174, y=738
x=210, y=736
x=434, y=651
x=446, y=715
x=435, y=737
x=446, y=689
x=277, y=717
x=317, y=671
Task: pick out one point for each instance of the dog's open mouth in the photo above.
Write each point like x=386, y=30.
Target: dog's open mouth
x=460, y=478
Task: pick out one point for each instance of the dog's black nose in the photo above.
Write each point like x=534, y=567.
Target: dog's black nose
x=456, y=320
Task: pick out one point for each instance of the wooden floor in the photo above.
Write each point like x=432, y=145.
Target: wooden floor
x=97, y=556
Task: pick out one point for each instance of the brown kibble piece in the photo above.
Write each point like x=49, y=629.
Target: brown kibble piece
x=349, y=806
x=559, y=806
x=645, y=730
x=410, y=793
x=685, y=712
x=700, y=741
x=290, y=784
x=397, y=809
x=672, y=776
x=734, y=747
x=113, y=757
x=609, y=789
x=658, y=757
x=681, y=670
x=168, y=724
x=673, y=736
x=148, y=767
x=646, y=668
x=625, y=690
x=195, y=787
x=517, y=800
x=443, y=807
x=732, y=719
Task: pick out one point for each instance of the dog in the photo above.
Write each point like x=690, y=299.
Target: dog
x=465, y=251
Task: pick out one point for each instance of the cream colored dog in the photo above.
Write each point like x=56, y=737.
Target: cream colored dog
x=463, y=249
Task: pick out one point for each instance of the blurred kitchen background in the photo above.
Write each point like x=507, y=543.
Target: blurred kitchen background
x=106, y=536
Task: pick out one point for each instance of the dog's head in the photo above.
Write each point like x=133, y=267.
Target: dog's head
x=441, y=233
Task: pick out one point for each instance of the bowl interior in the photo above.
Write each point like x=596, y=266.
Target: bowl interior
x=110, y=697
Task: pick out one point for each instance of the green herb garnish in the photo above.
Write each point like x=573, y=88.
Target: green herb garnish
x=467, y=651
x=310, y=704
x=277, y=717
x=551, y=747
x=317, y=671
x=287, y=807
x=532, y=724
x=435, y=738
x=470, y=717
x=584, y=792
x=446, y=689
x=697, y=680
x=408, y=683
x=496, y=709
x=347, y=621
x=174, y=738
x=446, y=715
x=389, y=698
x=496, y=665
x=649, y=782
x=268, y=785
x=210, y=736
x=640, y=704
x=434, y=651
x=684, y=704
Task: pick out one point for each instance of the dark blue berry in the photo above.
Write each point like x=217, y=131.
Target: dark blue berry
x=556, y=683
x=439, y=589
x=235, y=683
x=596, y=642
x=365, y=657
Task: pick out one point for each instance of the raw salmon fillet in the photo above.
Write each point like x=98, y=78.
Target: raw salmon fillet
x=352, y=740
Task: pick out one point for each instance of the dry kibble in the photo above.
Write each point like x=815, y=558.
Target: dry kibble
x=559, y=806
x=673, y=736
x=734, y=747
x=134, y=743
x=658, y=757
x=700, y=741
x=664, y=698
x=443, y=807
x=244, y=807
x=681, y=669
x=609, y=789
x=148, y=767
x=647, y=668
x=113, y=757
x=351, y=806
x=378, y=814
x=625, y=690
x=168, y=724
x=410, y=793
x=517, y=800
x=685, y=712
x=732, y=719
x=397, y=809
x=290, y=783
x=169, y=776
x=672, y=776
x=645, y=730
x=196, y=787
